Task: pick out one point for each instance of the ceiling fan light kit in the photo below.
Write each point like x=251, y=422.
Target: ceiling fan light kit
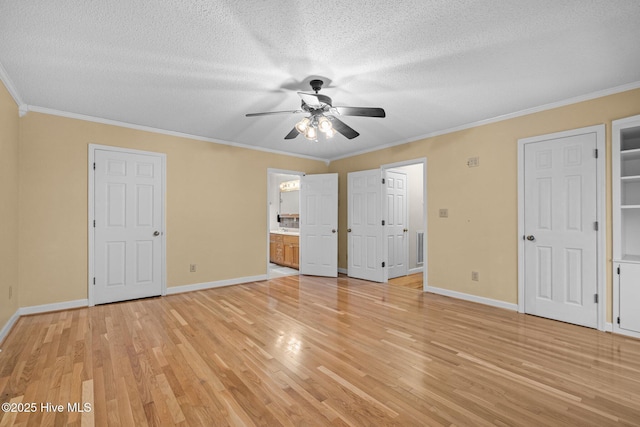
x=322, y=115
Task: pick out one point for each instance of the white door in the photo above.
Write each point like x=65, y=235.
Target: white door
x=364, y=222
x=396, y=223
x=128, y=226
x=560, y=240
x=319, y=225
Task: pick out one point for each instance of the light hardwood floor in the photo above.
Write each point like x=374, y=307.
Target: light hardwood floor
x=313, y=351
x=413, y=281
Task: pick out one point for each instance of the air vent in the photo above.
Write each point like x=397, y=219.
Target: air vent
x=420, y=247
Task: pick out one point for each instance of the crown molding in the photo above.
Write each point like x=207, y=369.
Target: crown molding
x=544, y=107
x=11, y=88
x=100, y=120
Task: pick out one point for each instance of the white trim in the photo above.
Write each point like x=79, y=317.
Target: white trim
x=4, y=76
x=544, y=107
x=343, y=271
x=56, y=306
x=9, y=325
x=415, y=270
x=473, y=298
x=608, y=327
x=217, y=284
x=574, y=100
x=86, y=118
x=601, y=213
x=91, y=213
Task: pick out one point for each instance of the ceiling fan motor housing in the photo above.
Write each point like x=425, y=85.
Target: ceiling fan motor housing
x=316, y=85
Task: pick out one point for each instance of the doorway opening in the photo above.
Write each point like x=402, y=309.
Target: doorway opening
x=406, y=257
x=283, y=219
x=387, y=222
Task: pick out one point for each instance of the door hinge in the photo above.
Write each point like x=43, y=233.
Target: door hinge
x=383, y=264
x=94, y=165
x=94, y=223
x=596, y=154
x=94, y=280
x=595, y=298
x=618, y=269
x=618, y=320
x=595, y=225
x=383, y=222
x=383, y=180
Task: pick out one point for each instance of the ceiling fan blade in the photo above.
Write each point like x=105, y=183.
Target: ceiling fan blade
x=342, y=127
x=270, y=113
x=291, y=135
x=315, y=100
x=361, y=111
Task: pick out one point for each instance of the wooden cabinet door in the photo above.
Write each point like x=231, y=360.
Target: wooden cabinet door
x=288, y=255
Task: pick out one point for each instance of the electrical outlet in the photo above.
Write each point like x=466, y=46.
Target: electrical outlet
x=475, y=276
x=444, y=213
x=192, y=268
x=473, y=162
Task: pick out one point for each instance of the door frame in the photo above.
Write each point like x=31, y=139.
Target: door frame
x=91, y=214
x=425, y=192
x=601, y=245
x=274, y=171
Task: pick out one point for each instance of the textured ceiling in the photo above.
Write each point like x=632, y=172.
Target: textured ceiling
x=196, y=67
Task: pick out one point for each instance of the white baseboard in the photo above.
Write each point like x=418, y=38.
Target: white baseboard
x=415, y=270
x=343, y=271
x=7, y=327
x=608, y=327
x=472, y=298
x=217, y=284
x=56, y=306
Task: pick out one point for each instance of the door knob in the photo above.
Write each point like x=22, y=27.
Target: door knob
x=405, y=230
x=531, y=238
x=333, y=231
x=156, y=233
x=348, y=230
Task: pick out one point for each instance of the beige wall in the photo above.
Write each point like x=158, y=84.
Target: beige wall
x=9, y=126
x=481, y=231
x=216, y=205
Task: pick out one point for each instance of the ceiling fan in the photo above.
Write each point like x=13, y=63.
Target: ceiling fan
x=322, y=115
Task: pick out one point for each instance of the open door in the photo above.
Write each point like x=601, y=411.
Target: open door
x=396, y=223
x=319, y=225
x=364, y=222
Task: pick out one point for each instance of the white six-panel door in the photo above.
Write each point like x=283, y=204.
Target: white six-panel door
x=319, y=225
x=364, y=218
x=396, y=223
x=128, y=226
x=560, y=238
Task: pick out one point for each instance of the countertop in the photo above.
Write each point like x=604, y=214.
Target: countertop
x=286, y=233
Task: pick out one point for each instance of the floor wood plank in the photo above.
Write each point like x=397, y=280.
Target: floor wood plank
x=301, y=350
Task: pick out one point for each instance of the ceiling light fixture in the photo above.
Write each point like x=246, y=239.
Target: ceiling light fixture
x=309, y=126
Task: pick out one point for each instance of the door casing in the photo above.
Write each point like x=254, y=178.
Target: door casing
x=91, y=214
x=599, y=130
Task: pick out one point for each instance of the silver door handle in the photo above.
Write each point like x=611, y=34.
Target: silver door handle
x=531, y=238
x=348, y=230
x=405, y=230
x=333, y=231
x=156, y=233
